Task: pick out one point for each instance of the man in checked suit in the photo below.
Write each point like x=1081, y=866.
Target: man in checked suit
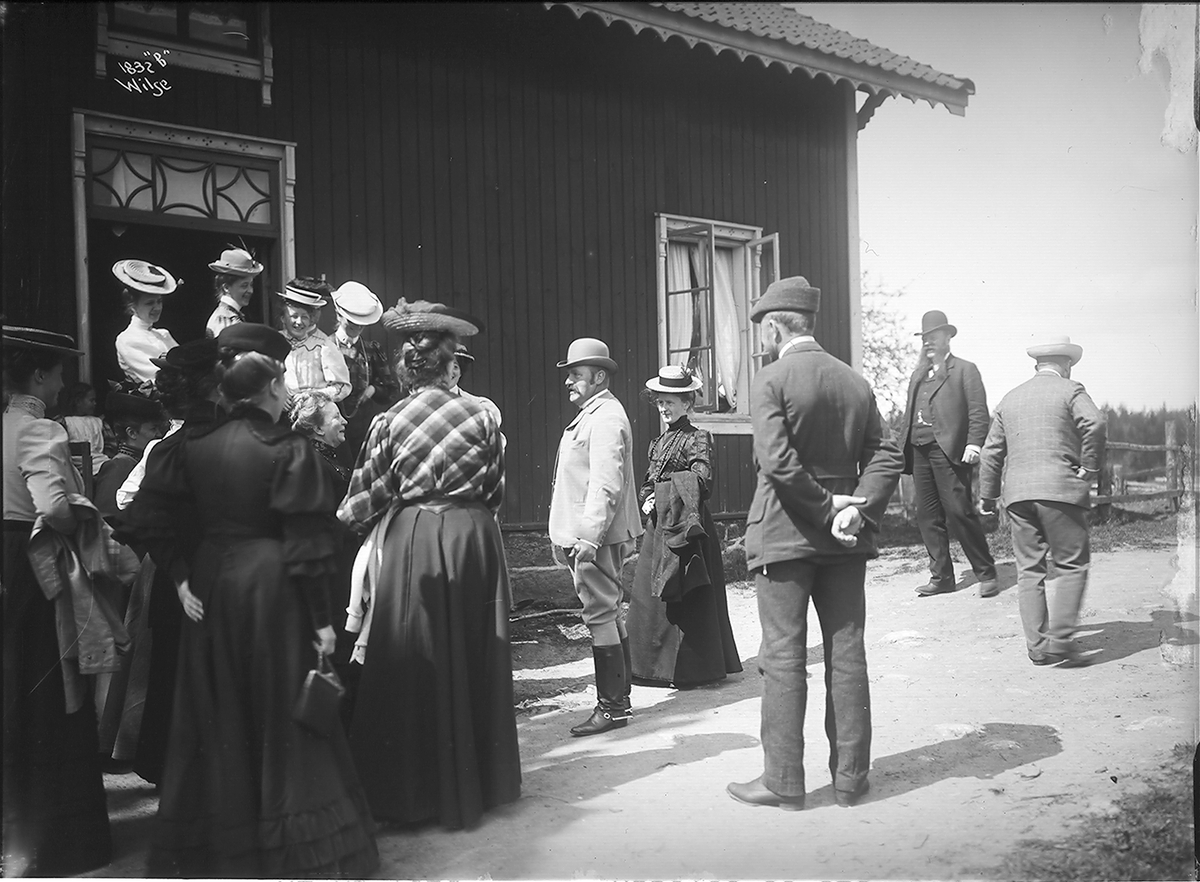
x=826, y=469
x=1052, y=436
x=944, y=428
x=594, y=521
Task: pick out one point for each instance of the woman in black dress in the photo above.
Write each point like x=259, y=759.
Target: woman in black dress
x=55, y=814
x=679, y=632
x=246, y=790
x=434, y=733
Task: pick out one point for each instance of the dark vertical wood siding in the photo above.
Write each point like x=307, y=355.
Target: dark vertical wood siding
x=506, y=158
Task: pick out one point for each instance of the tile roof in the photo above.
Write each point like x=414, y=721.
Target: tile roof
x=777, y=34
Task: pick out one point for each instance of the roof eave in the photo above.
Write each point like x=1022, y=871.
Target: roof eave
x=873, y=80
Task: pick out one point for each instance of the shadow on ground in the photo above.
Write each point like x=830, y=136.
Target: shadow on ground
x=1118, y=640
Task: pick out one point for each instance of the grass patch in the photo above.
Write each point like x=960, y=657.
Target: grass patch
x=1152, y=836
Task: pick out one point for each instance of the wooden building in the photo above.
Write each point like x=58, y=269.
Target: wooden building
x=632, y=171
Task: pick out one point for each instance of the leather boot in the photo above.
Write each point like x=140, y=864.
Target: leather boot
x=627, y=704
x=611, y=680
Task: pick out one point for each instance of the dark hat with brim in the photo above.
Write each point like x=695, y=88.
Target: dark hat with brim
x=588, y=351
x=1057, y=347
x=251, y=337
x=423, y=315
x=935, y=320
x=463, y=354
x=122, y=405
x=36, y=338
x=195, y=355
x=793, y=294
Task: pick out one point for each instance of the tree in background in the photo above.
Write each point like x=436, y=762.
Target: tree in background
x=889, y=354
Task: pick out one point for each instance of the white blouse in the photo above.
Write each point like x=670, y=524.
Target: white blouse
x=139, y=343
x=91, y=430
x=38, y=474
x=316, y=363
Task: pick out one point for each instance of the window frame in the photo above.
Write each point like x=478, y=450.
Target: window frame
x=757, y=271
x=135, y=44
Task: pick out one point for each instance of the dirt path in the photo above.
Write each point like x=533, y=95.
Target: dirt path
x=974, y=748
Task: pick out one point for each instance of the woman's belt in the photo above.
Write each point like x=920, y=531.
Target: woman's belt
x=439, y=504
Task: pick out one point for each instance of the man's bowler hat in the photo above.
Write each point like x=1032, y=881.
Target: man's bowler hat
x=589, y=351
x=793, y=294
x=935, y=320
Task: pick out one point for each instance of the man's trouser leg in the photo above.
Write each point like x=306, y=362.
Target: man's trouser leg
x=954, y=488
x=1029, y=550
x=931, y=517
x=1066, y=530
x=840, y=600
x=598, y=585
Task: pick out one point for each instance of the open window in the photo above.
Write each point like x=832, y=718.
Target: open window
x=710, y=274
x=225, y=38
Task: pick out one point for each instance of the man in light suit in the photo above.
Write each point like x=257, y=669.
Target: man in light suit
x=1052, y=435
x=594, y=521
x=944, y=428
x=827, y=467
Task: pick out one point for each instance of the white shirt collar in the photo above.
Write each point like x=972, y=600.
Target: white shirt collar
x=795, y=341
x=230, y=302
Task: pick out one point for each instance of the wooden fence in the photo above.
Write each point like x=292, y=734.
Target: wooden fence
x=1113, y=484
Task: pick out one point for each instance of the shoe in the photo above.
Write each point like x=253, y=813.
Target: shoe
x=850, y=798
x=612, y=710
x=756, y=793
x=989, y=588
x=1063, y=659
x=932, y=589
x=601, y=720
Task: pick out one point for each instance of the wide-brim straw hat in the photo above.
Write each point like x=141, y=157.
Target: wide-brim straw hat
x=238, y=262
x=588, y=351
x=358, y=303
x=36, y=338
x=935, y=320
x=421, y=315
x=145, y=277
x=674, y=379
x=459, y=313
x=1059, y=345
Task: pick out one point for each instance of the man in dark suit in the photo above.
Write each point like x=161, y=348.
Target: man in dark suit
x=826, y=470
x=1052, y=436
x=944, y=428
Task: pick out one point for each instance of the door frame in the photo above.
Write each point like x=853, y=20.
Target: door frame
x=85, y=123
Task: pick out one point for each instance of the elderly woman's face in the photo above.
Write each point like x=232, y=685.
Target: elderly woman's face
x=299, y=320
x=148, y=307
x=333, y=425
x=241, y=290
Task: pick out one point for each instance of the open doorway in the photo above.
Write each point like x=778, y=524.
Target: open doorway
x=186, y=254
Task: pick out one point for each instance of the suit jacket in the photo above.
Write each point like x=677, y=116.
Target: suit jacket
x=959, y=407
x=595, y=492
x=817, y=432
x=1044, y=429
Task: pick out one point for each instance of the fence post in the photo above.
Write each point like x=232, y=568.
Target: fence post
x=1104, y=486
x=1172, y=444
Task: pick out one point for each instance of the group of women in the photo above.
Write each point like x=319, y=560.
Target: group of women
x=270, y=554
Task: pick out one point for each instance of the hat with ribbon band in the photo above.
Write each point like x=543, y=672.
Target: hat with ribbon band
x=36, y=338
x=423, y=315
x=1057, y=346
x=588, y=351
x=236, y=261
x=145, y=277
x=674, y=378
x=357, y=303
x=308, y=292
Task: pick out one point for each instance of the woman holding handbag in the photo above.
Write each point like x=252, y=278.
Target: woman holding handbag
x=247, y=789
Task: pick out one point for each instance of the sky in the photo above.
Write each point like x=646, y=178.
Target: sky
x=1052, y=207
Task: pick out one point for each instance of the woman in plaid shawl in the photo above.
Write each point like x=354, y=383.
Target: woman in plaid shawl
x=433, y=731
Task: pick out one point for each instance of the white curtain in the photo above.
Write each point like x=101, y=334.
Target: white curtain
x=727, y=342
x=679, y=307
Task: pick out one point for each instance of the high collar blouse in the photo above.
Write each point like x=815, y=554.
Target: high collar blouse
x=316, y=363
x=139, y=343
x=38, y=474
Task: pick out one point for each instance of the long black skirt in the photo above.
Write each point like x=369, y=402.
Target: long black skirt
x=687, y=642
x=55, y=812
x=434, y=732
x=247, y=791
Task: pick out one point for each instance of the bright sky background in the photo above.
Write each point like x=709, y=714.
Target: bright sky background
x=1052, y=207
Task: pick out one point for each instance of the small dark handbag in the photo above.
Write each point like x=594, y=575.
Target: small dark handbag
x=317, y=706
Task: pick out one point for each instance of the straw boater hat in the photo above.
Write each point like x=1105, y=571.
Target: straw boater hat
x=935, y=320
x=145, y=277
x=792, y=294
x=306, y=292
x=588, y=350
x=36, y=338
x=193, y=355
x=236, y=261
x=1057, y=346
x=422, y=315
x=674, y=379
x=358, y=303
x=251, y=337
